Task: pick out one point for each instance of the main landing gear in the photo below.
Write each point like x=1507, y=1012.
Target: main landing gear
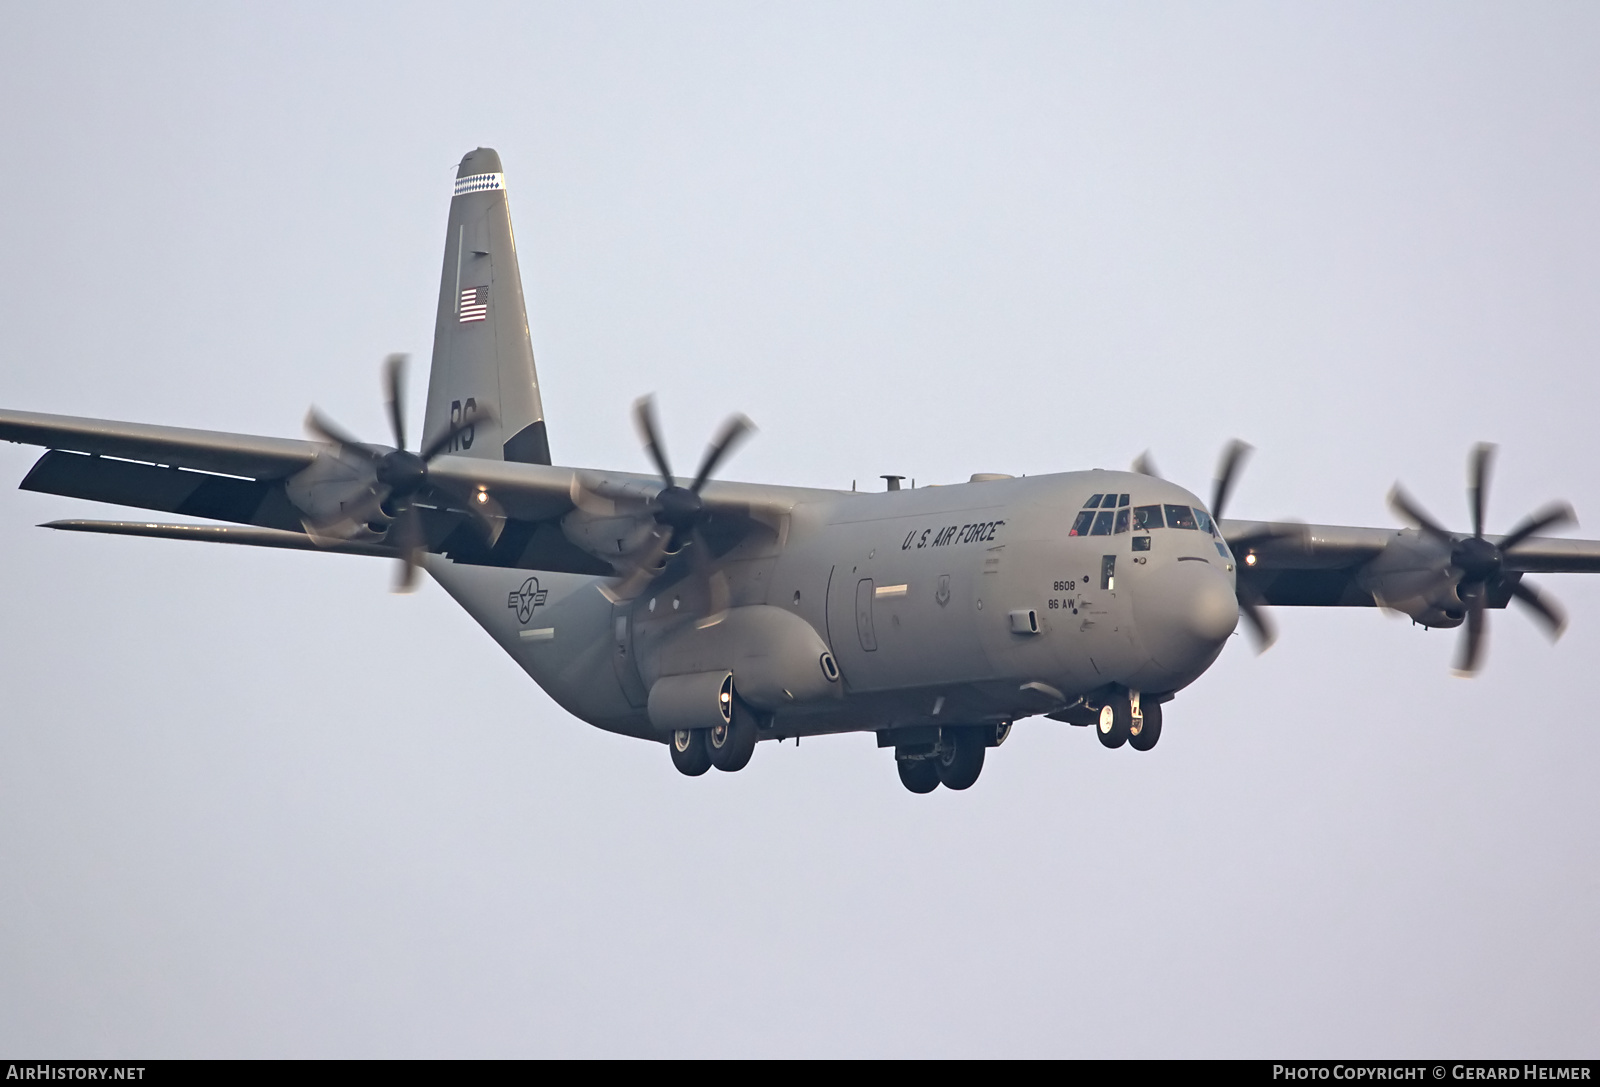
x=727, y=747
x=1126, y=719
x=954, y=759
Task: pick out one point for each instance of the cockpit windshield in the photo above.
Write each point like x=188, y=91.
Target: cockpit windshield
x=1111, y=518
x=1146, y=518
x=1170, y=515
x=1179, y=516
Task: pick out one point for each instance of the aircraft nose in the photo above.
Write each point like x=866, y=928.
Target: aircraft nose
x=1185, y=611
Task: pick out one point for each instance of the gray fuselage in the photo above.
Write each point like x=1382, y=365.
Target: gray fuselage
x=941, y=605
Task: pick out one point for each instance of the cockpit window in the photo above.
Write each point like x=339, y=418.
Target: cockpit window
x=1080, y=527
x=1179, y=516
x=1102, y=523
x=1093, y=503
x=1122, y=520
x=1146, y=518
x=1122, y=500
x=1203, y=519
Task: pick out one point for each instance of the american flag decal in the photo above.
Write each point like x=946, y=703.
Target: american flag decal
x=474, y=304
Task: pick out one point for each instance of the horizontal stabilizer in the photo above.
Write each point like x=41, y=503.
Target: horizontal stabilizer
x=254, y=537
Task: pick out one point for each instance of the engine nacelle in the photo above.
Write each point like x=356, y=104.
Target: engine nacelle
x=1413, y=575
x=330, y=484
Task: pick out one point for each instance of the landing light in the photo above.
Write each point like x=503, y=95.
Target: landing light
x=1250, y=559
x=483, y=496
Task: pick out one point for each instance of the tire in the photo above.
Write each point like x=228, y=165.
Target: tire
x=730, y=746
x=918, y=775
x=690, y=753
x=1116, y=719
x=960, y=757
x=1151, y=732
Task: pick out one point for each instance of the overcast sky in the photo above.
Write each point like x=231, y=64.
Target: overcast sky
x=251, y=803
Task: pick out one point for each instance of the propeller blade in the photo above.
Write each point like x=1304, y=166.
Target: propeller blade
x=646, y=571
x=1145, y=465
x=330, y=432
x=484, y=415
x=732, y=432
x=1548, y=612
x=1407, y=510
x=1261, y=629
x=1232, y=458
x=1478, y=483
x=406, y=535
x=1472, y=638
x=585, y=497
x=394, y=383
x=1557, y=513
x=718, y=591
x=644, y=418
x=717, y=595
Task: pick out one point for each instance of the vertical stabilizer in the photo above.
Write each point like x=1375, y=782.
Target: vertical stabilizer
x=482, y=352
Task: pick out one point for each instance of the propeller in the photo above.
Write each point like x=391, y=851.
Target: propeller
x=1251, y=602
x=398, y=478
x=678, y=513
x=1482, y=563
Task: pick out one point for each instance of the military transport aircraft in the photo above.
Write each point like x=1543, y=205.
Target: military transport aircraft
x=708, y=615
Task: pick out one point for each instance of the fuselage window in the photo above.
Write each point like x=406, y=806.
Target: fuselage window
x=1146, y=518
x=1102, y=523
x=1180, y=517
x=1080, y=527
x=1122, y=519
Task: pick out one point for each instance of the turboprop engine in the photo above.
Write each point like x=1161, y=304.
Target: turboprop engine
x=1440, y=578
x=1414, y=576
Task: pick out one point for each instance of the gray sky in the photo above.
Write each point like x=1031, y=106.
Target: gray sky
x=253, y=804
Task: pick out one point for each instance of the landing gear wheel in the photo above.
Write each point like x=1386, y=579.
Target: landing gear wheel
x=1147, y=736
x=690, y=753
x=730, y=746
x=1116, y=719
x=918, y=775
x=960, y=757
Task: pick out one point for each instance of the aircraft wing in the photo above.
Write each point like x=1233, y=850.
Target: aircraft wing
x=244, y=479
x=1293, y=564
x=178, y=447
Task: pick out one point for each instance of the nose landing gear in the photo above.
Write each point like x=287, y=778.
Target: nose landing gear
x=1127, y=719
x=1149, y=732
x=1116, y=721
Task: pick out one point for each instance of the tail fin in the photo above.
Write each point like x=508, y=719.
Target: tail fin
x=482, y=353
